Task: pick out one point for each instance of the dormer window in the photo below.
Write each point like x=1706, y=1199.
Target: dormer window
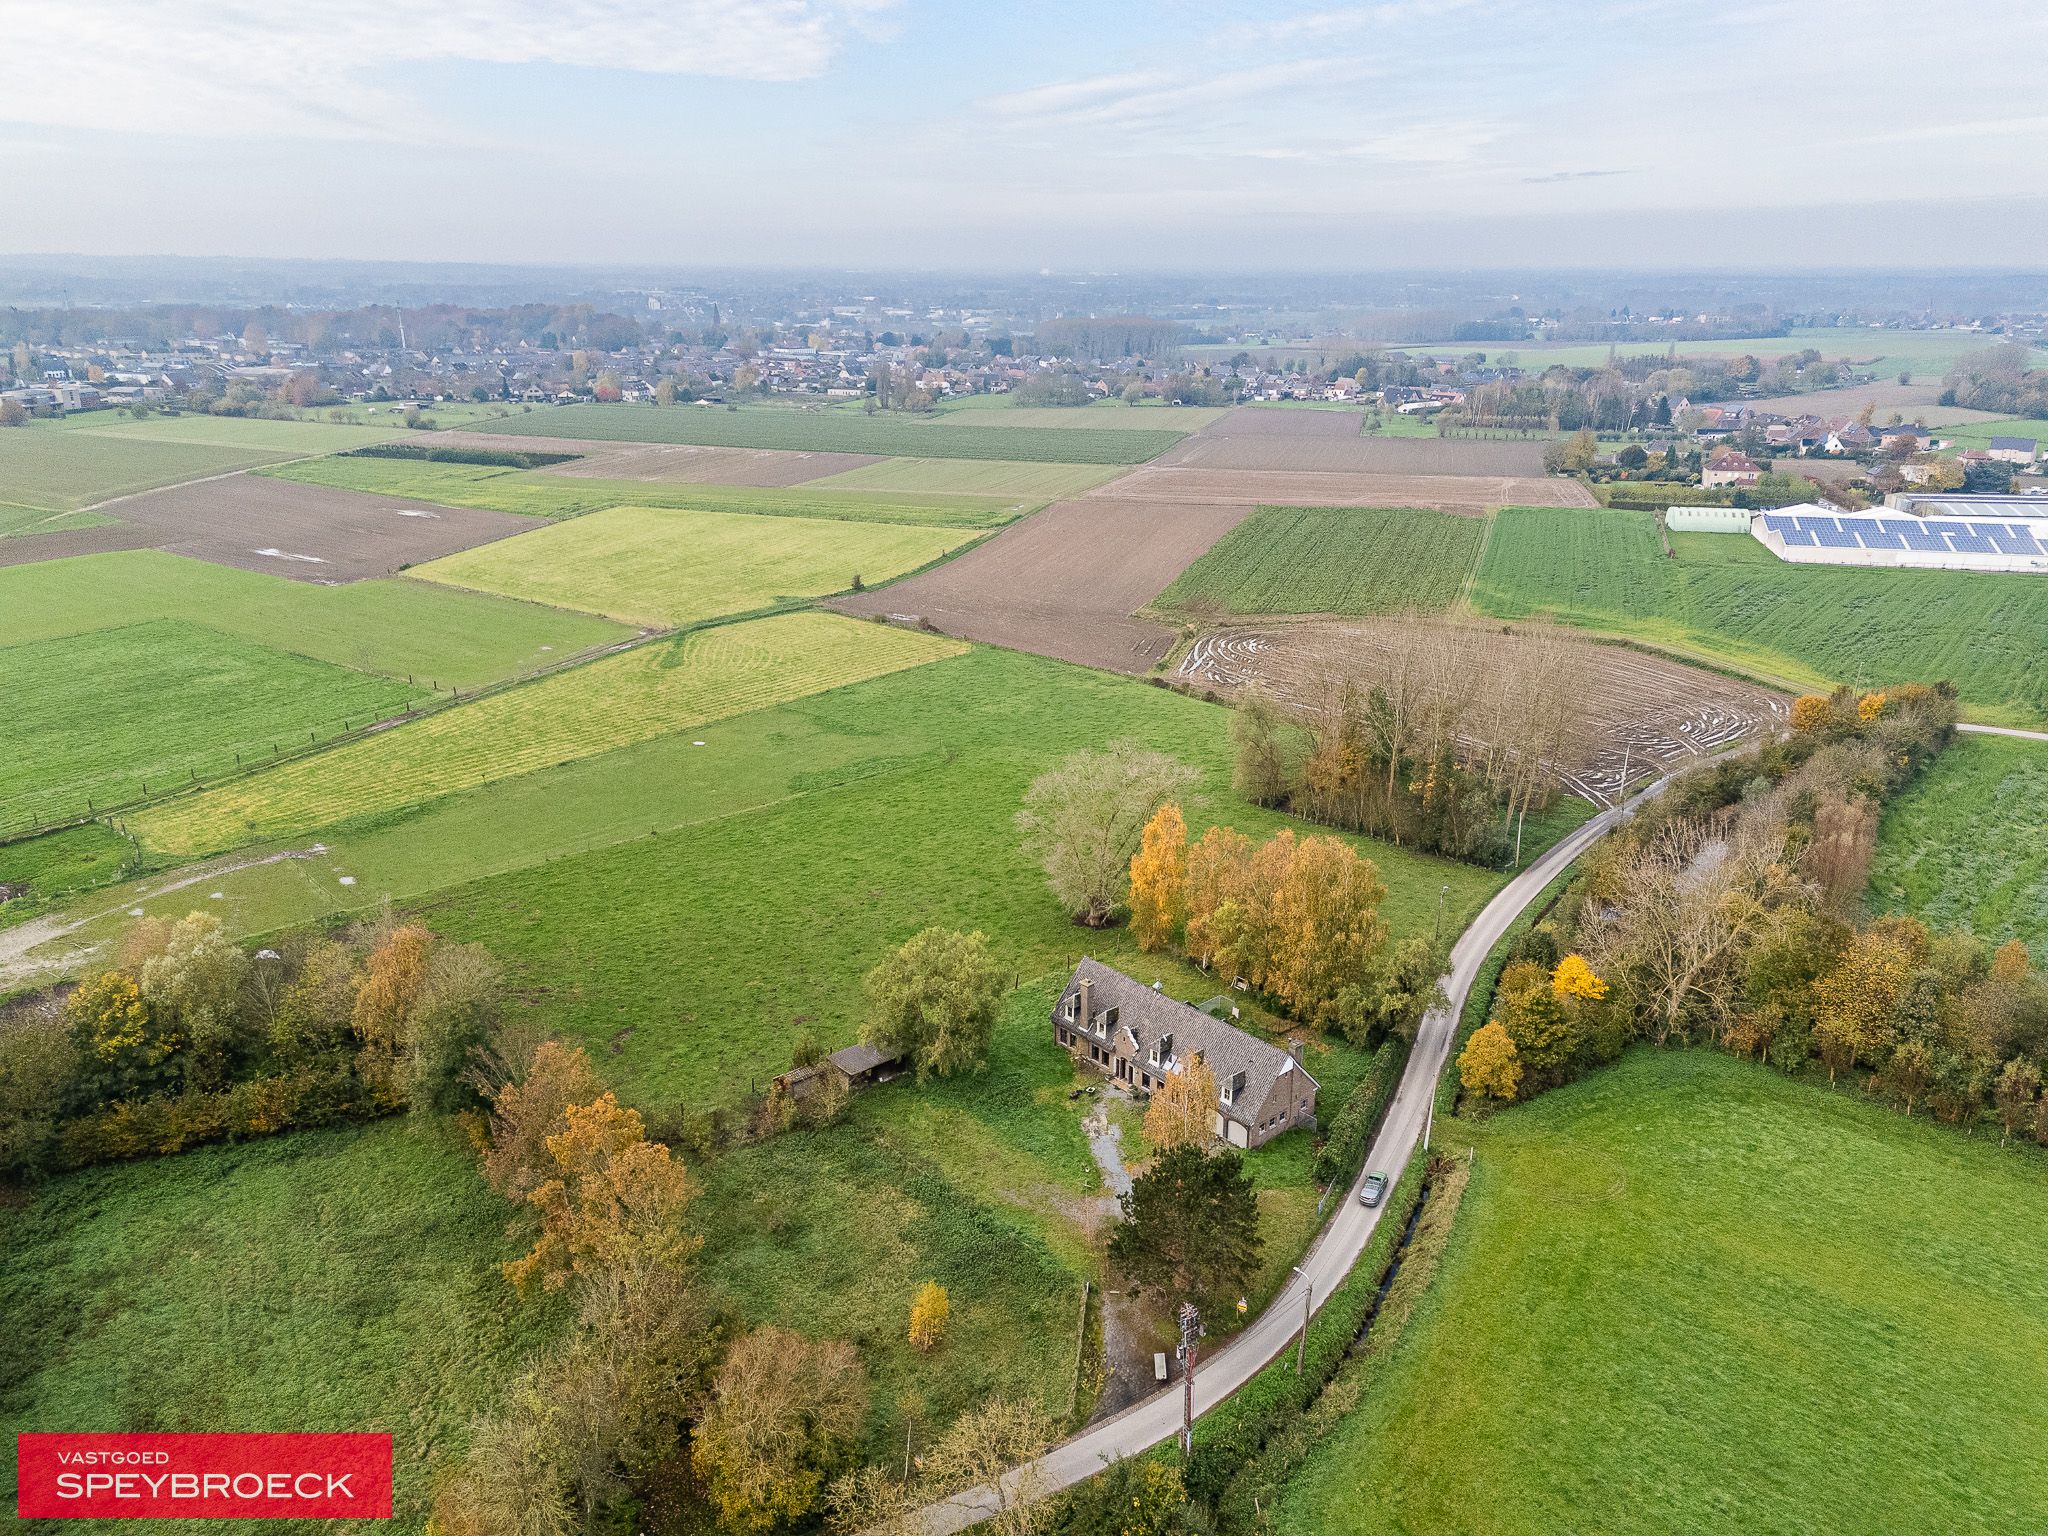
x=1233, y=1088
x=1162, y=1050
x=1108, y=1022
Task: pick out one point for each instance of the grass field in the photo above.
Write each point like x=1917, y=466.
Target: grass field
x=538, y=494
x=1333, y=560
x=661, y=567
x=1027, y=484
x=153, y=702
x=333, y=1280
x=1978, y=434
x=702, y=954
x=1686, y=1294
x=251, y=434
x=779, y=426
x=399, y=628
x=1967, y=845
x=1727, y=600
x=612, y=702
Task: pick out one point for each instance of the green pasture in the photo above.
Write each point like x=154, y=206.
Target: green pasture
x=1349, y=560
x=1687, y=1294
x=396, y=627
x=331, y=1280
x=660, y=567
x=539, y=493
x=1978, y=434
x=614, y=701
x=107, y=712
x=830, y=431
x=1727, y=600
x=1966, y=845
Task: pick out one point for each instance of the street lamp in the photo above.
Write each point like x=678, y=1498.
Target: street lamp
x=1441, y=892
x=1308, y=1295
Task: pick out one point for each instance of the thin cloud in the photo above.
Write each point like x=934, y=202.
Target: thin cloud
x=240, y=68
x=1551, y=177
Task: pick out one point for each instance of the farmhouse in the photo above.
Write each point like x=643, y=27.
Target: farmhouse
x=1730, y=468
x=2013, y=450
x=1141, y=1037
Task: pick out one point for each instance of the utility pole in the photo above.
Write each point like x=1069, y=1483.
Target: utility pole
x=1308, y=1296
x=1190, y=1330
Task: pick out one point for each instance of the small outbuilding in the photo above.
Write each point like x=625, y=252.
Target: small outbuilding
x=862, y=1065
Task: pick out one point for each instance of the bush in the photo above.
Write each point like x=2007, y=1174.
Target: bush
x=496, y=458
x=1343, y=1149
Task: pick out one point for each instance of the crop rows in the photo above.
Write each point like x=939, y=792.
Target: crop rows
x=610, y=703
x=1351, y=560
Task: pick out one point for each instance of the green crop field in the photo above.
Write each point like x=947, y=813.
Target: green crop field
x=107, y=711
x=612, y=702
x=1967, y=845
x=54, y=471
x=333, y=1280
x=536, y=493
x=1726, y=599
x=399, y=628
x=269, y=438
x=80, y=461
x=829, y=431
x=1686, y=1294
x=657, y=566
x=1333, y=560
x=1025, y=484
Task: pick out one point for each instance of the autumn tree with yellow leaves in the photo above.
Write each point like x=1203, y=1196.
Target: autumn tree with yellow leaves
x=1183, y=1109
x=1159, y=881
x=1488, y=1065
x=930, y=1310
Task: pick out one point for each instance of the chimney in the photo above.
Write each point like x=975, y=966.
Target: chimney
x=1087, y=1011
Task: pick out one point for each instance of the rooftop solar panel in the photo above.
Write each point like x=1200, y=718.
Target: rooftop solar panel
x=2013, y=539
x=1798, y=536
x=1833, y=537
x=1779, y=524
x=1972, y=543
x=1874, y=535
x=1914, y=533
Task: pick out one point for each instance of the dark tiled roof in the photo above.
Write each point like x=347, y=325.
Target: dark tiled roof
x=1227, y=1049
x=856, y=1059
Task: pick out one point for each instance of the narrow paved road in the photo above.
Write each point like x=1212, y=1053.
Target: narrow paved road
x=2004, y=730
x=1157, y=1418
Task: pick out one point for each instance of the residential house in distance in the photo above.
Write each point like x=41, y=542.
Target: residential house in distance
x=1730, y=467
x=2013, y=450
x=1141, y=1037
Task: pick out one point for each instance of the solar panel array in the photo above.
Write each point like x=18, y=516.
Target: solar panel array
x=1939, y=536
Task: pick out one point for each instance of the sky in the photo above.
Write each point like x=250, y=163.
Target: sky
x=1175, y=135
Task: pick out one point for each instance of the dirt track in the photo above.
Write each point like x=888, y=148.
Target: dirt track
x=1644, y=713
x=307, y=532
x=1065, y=582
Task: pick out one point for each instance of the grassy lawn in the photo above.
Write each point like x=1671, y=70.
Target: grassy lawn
x=833, y=431
x=1351, y=560
x=49, y=868
x=1027, y=484
x=1725, y=600
x=333, y=1280
x=253, y=435
x=659, y=567
x=648, y=691
x=1686, y=1294
x=1967, y=844
x=395, y=627
x=156, y=701
x=538, y=493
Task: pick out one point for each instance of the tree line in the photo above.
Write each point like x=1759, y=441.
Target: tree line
x=1730, y=913
x=187, y=1038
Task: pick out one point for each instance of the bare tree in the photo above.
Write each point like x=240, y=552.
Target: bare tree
x=1084, y=820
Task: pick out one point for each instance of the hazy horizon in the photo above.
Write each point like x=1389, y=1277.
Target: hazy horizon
x=798, y=134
